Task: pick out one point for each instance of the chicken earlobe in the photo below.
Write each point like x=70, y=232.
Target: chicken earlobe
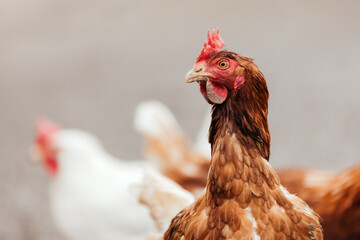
x=239, y=80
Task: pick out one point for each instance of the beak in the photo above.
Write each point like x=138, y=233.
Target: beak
x=35, y=153
x=196, y=75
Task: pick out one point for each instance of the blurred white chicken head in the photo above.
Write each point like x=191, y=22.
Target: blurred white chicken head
x=53, y=145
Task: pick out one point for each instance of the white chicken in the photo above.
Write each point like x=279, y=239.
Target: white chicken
x=93, y=195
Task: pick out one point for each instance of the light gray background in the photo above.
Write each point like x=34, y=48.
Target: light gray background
x=87, y=64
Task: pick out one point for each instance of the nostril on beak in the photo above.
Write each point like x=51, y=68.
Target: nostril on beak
x=198, y=69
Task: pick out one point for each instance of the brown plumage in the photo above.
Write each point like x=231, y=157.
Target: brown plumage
x=243, y=197
x=335, y=197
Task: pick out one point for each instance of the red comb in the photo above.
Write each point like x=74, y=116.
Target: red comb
x=214, y=44
x=44, y=129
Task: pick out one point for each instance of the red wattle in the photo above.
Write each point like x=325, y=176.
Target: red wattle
x=51, y=165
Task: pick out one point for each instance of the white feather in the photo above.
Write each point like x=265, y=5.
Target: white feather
x=164, y=198
x=152, y=118
x=252, y=219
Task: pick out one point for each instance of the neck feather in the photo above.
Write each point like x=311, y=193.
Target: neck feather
x=240, y=143
x=246, y=119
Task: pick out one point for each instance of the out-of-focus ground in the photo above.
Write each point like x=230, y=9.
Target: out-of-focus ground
x=87, y=64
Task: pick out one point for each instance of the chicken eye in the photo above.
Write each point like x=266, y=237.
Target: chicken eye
x=223, y=64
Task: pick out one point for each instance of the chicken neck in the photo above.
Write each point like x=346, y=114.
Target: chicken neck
x=240, y=141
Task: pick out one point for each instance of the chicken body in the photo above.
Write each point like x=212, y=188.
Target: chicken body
x=93, y=195
x=243, y=197
x=335, y=197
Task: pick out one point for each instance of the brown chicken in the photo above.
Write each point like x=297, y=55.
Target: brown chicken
x=168, y=147
x=243, y=197
x=335, y=197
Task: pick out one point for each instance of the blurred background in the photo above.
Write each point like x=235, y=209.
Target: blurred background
x=87, y=64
